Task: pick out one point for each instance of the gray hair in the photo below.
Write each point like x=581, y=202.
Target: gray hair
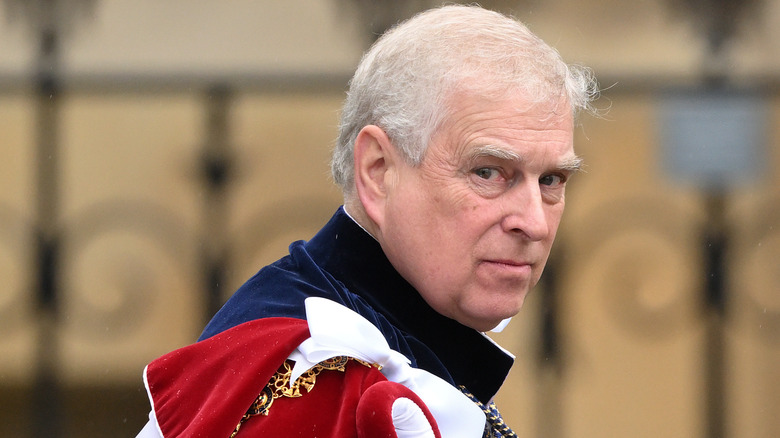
x=405, y=81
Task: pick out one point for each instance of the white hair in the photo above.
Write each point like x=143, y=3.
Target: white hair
x=405, y=81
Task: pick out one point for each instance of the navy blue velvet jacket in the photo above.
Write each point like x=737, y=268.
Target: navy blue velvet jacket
x=345, y=264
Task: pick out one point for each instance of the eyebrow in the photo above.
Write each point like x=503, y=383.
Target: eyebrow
x=571, y=163
x=493, y=151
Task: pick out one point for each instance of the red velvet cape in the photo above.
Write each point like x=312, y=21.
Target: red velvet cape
x=204, y=389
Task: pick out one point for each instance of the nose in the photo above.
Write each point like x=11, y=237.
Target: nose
x=524, y=213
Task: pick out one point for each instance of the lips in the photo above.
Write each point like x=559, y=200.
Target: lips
x=508, y=266
x=509, y=262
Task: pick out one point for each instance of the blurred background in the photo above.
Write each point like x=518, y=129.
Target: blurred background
x=154, y=155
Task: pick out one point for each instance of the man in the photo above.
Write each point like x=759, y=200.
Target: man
x=454, y=151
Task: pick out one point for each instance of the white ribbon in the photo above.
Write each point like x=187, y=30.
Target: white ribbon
x=409, y=420
x=338, y=331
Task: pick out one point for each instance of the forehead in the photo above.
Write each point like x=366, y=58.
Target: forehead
x=509, y=128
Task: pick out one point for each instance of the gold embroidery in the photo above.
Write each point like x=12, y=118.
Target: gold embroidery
x=494, y=426
x=279, y=385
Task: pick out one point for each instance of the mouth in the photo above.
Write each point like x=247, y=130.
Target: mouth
x=510, y=266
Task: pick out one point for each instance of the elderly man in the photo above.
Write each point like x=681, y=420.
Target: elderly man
x=454, y=152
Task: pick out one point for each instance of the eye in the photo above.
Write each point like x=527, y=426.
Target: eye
x=552, y=180
x=487, y=173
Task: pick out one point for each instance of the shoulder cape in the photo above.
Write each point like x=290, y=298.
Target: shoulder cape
x=206, y=389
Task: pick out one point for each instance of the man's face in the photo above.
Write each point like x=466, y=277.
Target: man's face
x=472, y=226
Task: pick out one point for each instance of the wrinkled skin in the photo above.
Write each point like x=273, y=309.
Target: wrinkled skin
x=472, y=226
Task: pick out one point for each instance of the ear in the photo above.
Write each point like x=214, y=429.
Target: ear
x=374, y=165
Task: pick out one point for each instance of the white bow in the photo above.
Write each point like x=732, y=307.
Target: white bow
x=338, y=331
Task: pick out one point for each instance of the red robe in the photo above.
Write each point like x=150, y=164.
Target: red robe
x=204, y=389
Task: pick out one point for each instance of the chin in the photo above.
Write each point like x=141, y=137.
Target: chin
x=486, y=324
x=489, y=323
x=485, y=314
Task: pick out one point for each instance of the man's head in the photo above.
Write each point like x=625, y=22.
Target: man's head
x=455, y=145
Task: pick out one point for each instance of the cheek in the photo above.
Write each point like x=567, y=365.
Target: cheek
x=554, y=219
x=456, y=206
